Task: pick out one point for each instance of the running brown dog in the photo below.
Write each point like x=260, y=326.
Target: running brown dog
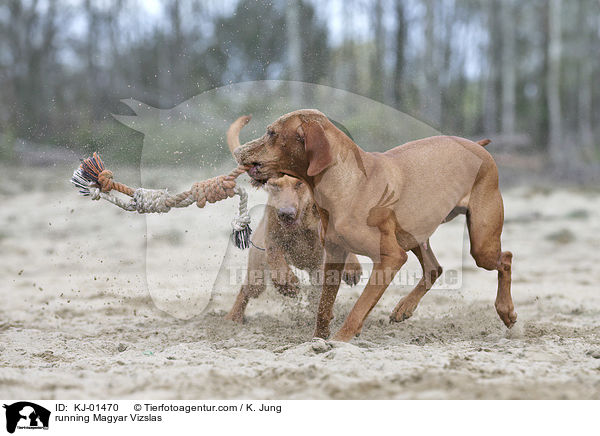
x=382, y=205
x=288, y=234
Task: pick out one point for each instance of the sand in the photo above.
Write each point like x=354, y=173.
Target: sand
x=94, y=308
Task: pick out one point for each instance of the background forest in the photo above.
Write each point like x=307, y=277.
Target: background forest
x=522, y=73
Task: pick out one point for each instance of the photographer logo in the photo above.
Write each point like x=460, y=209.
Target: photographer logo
x=26, y=415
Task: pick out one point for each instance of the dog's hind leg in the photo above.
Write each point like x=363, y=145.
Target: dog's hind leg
x=485, y=219
x=431, y=271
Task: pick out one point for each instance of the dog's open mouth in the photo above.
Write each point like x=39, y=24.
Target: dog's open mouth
x=258, y=179
x=289, y=222
x=259, y=176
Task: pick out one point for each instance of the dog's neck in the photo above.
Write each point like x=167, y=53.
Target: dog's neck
x=333, y=188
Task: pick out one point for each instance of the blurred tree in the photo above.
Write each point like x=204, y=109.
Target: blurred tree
x=377, y=56
x=509, y=18
x=431, y=93
x=315, y=44
x=400, y=56
x=557, y=150
x=523, y=72
x=585, y=60
x=493, y=67
x=346, y=74
x=294, y=51
x=251, y=41
x=29, y=33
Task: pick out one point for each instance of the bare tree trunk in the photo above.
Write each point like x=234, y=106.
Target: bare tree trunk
x=490, y=117
x=543, y=124
x=377, y=66
x=90, y=54
x=432, y=101
x=294, y=43
x=349, y=71
x=508, y=67
x=445, y=65
x=556, y=147
x=400, y=42
x=585, y=89
x=175, y=46
x=112, y=24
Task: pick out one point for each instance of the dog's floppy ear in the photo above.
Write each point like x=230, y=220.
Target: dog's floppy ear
x=316, y=146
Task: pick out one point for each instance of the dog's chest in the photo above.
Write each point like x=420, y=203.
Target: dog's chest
x=302, y=249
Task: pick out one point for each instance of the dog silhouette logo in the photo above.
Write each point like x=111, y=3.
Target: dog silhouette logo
x=26, y=415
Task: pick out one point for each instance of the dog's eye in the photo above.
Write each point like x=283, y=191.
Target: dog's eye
x=298, y=185
x=271, y=132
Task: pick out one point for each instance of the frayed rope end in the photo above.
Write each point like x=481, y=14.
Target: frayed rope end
x=86, y=176
x=81, y=182
x=241, y=238
x=91, y=167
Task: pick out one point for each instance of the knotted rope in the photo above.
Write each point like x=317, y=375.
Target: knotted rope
x=95, y=181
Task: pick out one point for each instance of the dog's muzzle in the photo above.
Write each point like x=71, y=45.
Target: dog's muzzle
x=254, y=172
x=287, y=215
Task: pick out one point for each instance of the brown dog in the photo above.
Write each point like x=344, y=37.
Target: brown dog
x=287, y=235
x=382, y=205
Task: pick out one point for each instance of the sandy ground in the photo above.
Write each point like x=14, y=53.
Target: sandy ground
x=94, y=308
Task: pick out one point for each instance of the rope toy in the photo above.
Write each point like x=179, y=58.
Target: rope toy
x=95, y=181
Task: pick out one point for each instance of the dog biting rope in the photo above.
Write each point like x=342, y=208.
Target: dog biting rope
x=95, y=181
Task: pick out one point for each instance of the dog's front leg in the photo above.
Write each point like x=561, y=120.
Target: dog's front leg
x=254, y=283
x=390, y=259
x=282, y=275
x=335, y=258
x=383, y=273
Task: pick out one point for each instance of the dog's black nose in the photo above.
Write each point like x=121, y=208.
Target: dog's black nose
x=287, y=215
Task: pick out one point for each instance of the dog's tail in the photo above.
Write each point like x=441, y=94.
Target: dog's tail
x=233, y=133
x=484, y=142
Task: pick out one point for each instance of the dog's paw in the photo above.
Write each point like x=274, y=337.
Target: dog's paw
x=352, y=274
x=507, y=314
x=404, y=309
x=237, y=317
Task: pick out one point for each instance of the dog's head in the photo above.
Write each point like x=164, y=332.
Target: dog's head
x=292, y=201
x=297, y=144
x=289, y=196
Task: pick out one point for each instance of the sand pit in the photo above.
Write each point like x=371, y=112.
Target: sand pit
x=80, y=313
